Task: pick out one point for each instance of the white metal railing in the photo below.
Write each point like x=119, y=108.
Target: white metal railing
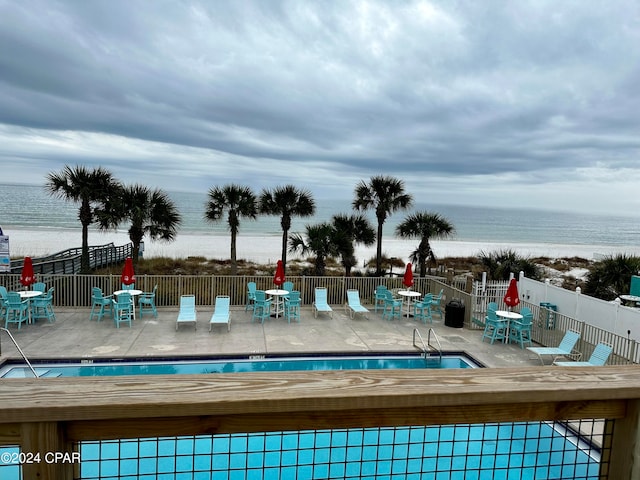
x=24, y=357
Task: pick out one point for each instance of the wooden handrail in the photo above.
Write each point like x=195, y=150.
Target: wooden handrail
x=51, y=413
x=155, y=396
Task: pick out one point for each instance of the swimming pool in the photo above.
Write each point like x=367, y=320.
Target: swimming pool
x=252, y=363
x=522, y=450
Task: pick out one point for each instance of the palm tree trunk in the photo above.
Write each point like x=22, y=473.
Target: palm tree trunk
x=84, y=256
x=283, y=257
x=85, y=220
x=379, y=250
x=234, y=262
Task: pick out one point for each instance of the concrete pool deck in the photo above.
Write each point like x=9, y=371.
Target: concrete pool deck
x=73, y=335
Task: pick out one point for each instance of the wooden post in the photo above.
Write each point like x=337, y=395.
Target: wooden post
x=624, y=454
x=47, y=455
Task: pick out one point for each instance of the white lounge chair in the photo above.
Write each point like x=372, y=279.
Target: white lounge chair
x=221, y=314
x=598, y=358
x=565, y=349
x=320, y=303
x=187, y=313
x=353, y=304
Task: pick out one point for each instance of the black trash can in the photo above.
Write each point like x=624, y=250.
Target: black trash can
x=454, y=313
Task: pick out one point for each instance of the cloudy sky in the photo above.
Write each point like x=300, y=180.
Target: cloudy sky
x=527, y=103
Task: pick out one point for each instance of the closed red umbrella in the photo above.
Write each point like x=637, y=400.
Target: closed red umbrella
x=278, y=278
x=128, y=276
x=27, y=277
x=511, y=298
x=407, y=280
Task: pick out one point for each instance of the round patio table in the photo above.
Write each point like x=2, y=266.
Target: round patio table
x=29, y=294
x=409, y=295
x=134, y=293
x=278, y=304
x=508, y=316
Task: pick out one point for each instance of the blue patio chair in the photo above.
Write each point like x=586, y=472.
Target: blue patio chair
x=436, y=303
x=3, y=300
x=100, y=303
x=124, y=286
x=288, y=286
x=221, y=314
x=379, y=298
x=251, y=296
x=148, y=301
x=187, y=312
x=422, y=308
x=520, y=331
x=565, y=349
x=39, y=287
x=292, y=303
x=17, y=310
x=392, y=306
x=122, y=309
x=495, y=327
x=42, y=306
x=598, y=358
x=353, y=304
x=261, y=306
x=320, y=302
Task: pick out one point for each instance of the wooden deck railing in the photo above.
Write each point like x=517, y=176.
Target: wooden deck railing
x=50, y=414
x=68, y=261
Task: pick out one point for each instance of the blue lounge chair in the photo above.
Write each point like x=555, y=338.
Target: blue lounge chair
x=598, y=358
x=320, y=303
x=565, y=349
x=353, y=304
x=148, y=301
x=39, y=287
x=187, y=312
x=221, y=314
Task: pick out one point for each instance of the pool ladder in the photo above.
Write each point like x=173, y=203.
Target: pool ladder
x=427, y=348
x=20, y=350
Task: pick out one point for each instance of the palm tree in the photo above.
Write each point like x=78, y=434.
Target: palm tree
x=238, y=201
x=319, y=241
x=385, y=195
x=425, y=226
x=502, y=263
x=286, y=201
x=610, y=277
x=92, y=189
x=349, y=230
x=151, y=212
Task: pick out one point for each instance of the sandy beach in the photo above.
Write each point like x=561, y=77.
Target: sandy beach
x=266, y=248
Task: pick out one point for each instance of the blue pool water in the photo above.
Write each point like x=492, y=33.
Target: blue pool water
x=529, y=450
x=257, y=363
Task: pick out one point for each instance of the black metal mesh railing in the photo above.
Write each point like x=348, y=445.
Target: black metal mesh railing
x=482, y=451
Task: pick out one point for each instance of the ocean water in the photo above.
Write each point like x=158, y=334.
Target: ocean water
x=38, y=223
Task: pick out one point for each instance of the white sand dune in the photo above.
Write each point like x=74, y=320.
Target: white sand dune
x=266, y=249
